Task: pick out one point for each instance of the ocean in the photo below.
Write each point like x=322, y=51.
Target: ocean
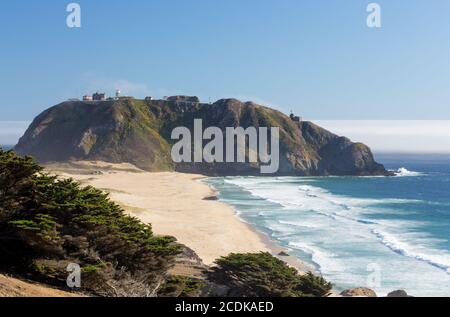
x=385, y=233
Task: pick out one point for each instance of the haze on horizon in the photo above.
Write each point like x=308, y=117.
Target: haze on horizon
x=383, y=136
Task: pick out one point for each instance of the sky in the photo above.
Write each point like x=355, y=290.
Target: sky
x=317, y=58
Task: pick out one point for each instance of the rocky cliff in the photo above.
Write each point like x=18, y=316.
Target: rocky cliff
x=139, y=132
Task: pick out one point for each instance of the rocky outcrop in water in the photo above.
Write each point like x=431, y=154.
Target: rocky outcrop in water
x=358, y=292
x=398, y=293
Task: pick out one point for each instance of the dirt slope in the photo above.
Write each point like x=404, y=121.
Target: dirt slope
x=11, y=287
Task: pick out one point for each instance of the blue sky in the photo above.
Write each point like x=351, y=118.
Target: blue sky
x=316, y=57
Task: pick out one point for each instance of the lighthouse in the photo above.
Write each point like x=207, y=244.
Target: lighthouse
x=117, y=93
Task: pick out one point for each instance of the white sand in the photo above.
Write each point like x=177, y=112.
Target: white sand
x=174, y=204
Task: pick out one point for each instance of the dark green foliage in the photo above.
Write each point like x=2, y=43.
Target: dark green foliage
x=314, y=285
x=180, y=286
x=263, y=275
x=46, y=221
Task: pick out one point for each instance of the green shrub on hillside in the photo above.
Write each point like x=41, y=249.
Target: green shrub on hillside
x=181, y=286
x=46, y=222
x=263, y=275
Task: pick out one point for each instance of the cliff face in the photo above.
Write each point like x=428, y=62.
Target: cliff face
x=138, y=132
x=121, y=131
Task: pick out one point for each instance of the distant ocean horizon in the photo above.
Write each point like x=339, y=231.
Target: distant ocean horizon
x=356, y=231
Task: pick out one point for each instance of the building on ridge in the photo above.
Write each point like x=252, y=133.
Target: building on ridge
x=98, y=96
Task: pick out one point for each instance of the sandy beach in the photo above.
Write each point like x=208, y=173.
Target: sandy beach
x=174, y=204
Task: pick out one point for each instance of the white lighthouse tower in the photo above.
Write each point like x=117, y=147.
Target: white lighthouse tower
x=117, y=93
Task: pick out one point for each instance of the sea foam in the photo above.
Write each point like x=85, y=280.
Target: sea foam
x=403, y=172
x=341, y=235
x=441, y=261
x=344, y=211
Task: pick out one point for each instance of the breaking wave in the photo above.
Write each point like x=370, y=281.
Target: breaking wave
x=403, y=172
x=441, y=261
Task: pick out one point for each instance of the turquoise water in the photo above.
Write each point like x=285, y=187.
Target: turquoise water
x=385, y=233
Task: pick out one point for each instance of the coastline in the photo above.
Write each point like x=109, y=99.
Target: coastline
x=150, y=198
x=273, y=247
x=176, y=204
